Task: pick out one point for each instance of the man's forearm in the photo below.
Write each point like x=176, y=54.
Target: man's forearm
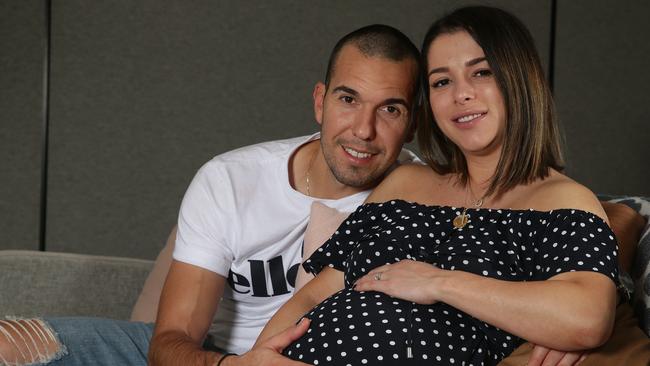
x=176, y=348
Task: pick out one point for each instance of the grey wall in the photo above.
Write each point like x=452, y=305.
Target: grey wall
x=601, y=88
x=22, y=41
x=143, y=93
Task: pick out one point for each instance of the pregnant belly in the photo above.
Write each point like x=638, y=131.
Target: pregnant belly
x=371, y=328
x=353, y=327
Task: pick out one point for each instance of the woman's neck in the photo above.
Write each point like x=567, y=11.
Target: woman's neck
x=480, y=170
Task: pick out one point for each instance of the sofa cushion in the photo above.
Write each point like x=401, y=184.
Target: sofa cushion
x=323, y=221
x=146, y=307
x=640, y=270
x=61, y=284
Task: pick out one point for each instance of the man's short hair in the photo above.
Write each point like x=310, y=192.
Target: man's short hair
x=376, y=40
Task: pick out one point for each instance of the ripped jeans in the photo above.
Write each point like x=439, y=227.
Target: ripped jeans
x=73, y=341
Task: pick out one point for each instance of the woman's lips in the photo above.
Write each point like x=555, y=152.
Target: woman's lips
x=466, y=118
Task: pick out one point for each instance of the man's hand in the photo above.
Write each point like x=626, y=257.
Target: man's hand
x=542, y=356
x=268, y=353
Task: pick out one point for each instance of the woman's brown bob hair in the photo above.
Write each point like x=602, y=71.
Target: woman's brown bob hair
x=532, y=140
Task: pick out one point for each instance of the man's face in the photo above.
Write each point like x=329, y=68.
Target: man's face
x=364, y=115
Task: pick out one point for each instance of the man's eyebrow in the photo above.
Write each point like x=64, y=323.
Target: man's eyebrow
x=345, y=89
x=396, y=101
x=348, y=90
x=471, y=62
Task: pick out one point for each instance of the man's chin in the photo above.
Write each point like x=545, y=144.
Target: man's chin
x=358, y=181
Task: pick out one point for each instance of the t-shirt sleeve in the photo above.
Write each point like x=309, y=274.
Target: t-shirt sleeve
x=335, y=250
x=203, y=221
x=575, y=240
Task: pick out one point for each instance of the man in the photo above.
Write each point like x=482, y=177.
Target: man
x=242, y=219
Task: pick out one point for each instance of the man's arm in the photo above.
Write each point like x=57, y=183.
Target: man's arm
x=187, y=305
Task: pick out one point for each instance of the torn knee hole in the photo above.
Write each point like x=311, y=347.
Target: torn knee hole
x=27, y=341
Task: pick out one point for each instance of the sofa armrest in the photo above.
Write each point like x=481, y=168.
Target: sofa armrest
x=36, y=283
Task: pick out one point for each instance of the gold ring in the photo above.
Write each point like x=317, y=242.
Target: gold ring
x=378, y=276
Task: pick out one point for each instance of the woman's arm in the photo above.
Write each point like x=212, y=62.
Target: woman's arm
x=328, y=282
x=570, y=311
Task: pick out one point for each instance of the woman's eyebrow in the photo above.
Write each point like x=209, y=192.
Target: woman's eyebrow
x=475, y=61
x=471, y=62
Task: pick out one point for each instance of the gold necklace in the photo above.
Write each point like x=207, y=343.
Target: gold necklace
x=307, y=175
x=461, y=220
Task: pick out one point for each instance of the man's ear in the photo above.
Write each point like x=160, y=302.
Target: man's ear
x=319, y=97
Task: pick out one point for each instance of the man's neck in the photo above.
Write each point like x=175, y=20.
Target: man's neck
x=310, y=174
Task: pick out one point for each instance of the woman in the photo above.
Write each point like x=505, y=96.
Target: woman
x=457, y=262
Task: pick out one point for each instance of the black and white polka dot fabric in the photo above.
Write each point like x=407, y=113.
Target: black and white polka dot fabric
x=371, y=328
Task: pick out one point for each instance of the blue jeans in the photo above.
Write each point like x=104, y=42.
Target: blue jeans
x=97, y=341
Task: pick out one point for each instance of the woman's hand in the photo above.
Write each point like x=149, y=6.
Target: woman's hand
x=543, y=356
x=407, y=280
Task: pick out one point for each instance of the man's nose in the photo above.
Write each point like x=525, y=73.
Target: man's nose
x=365, y=124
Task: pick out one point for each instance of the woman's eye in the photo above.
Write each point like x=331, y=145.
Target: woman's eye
x=439, y=83
x=483, y=73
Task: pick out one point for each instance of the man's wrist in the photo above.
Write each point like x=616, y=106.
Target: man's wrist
x=222, y=359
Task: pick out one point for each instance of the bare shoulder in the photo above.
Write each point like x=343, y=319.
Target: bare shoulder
x=409, y=171
x=559, y=191
x=403, y=180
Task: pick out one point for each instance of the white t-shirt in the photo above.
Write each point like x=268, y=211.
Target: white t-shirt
x=241, y=218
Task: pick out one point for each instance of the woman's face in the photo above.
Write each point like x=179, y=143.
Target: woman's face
x=464, y=96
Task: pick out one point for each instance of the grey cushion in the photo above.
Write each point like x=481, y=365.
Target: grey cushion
x=56, y=284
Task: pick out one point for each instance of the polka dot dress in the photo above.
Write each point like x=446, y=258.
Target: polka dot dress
x=371, y=328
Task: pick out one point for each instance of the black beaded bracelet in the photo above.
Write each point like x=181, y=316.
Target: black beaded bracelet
x=224, y=357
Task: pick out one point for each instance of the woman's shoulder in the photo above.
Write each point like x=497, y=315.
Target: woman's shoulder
x=557, y=191
x=404, y=181
x=410, y=170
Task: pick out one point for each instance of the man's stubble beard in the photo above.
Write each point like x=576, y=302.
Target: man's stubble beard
x=355, y=177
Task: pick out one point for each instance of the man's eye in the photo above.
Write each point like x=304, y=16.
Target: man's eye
x=439, y=83
x=347, y=99
x=392, y=111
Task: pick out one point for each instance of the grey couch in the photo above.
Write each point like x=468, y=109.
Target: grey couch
x=45, y=284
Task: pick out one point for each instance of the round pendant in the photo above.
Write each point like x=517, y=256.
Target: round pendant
x=460, y=221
